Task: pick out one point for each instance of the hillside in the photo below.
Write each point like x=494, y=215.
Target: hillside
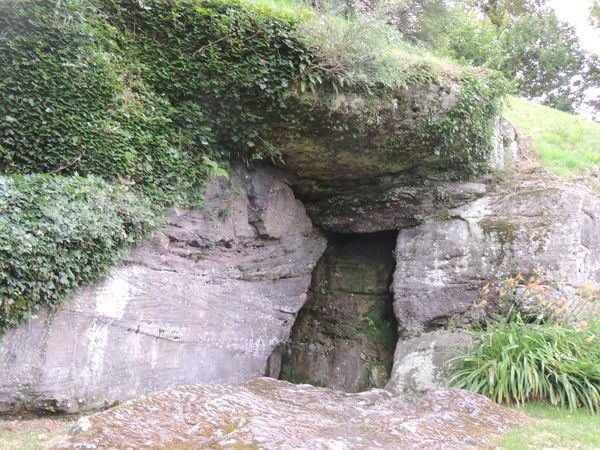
x=204, y=193
x=567, y=144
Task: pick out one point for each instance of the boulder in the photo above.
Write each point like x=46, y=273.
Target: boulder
x=271, y=414
x=421, y=363
x=209, y=298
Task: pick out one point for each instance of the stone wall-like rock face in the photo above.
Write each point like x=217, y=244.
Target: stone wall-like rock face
x=209, y=298
x=530, y=222
x=421, y=363
x=347, y=144
x=345, y=335
x=271, y=414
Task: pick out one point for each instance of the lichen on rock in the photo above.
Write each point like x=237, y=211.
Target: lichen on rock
x=271, y=414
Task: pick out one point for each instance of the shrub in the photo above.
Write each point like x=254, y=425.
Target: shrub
x=59, y=232
x=517, y=362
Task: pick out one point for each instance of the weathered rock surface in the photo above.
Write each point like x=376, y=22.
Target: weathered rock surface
x=346, y=143
x=529, y=222
x=393, y=198
x=385, y=203
x=345, y=335
x=207, y=299
x=421, y=363
x=271, y=414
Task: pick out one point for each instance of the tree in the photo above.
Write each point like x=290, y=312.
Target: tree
x=595, y=14
x=544, y=57
x=499, y=12
x=464, y=37
x=523, y=39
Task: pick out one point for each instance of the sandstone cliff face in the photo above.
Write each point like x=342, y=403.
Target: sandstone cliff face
x=342, y=198
x=209, y=298
x=537, y=223
x=532, y=224
x=212, y=297
x=454, y=239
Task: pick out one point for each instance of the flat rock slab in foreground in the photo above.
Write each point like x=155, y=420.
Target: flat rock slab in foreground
x=271, y=414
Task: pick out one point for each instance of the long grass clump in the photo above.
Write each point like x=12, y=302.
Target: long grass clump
x=518, y=362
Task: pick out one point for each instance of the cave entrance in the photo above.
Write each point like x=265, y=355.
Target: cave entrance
x=346, y=333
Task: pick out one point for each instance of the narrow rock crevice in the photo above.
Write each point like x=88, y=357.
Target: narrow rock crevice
x=345, y=335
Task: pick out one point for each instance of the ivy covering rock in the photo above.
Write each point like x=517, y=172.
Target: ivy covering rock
x=59, y=232
x=155, y=92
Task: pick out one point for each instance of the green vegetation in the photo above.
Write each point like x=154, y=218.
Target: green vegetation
x=30, y=440
x=59, y=232
x=523, y=39
x=595, y=14
x=156, y=93
x=73, y=104
x=536, y=348
x=568, y=145
x=290, y=373
x=381, y=325
x=518, y=362
x=555, y=428
x=33, y=433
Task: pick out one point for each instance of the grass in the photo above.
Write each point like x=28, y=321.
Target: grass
x=33, y=433
x=557, y=428
x=11, y=440
x=370, y=51
x=518, y=362
x=568, y=145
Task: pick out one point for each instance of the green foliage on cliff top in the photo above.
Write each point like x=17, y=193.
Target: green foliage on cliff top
x=59, y=232
x=568, y=145
x=153, y=92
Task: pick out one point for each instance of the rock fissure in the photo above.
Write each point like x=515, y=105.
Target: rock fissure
x=345, y=335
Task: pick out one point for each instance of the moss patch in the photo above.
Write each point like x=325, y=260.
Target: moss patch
x=503, y=229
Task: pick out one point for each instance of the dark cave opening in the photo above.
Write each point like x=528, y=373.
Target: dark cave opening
x=345, y=335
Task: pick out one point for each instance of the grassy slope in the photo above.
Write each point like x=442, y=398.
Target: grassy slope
x=568, y=145
x=557, y=428
x=386, y=40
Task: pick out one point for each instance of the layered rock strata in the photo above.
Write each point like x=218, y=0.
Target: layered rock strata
x=209, y=298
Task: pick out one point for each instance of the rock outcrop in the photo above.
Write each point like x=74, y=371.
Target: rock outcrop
x=421, y=363
x=209, y=298
x=530, y=222
x=341, y=199
x=212, y=297
x=273, y=414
